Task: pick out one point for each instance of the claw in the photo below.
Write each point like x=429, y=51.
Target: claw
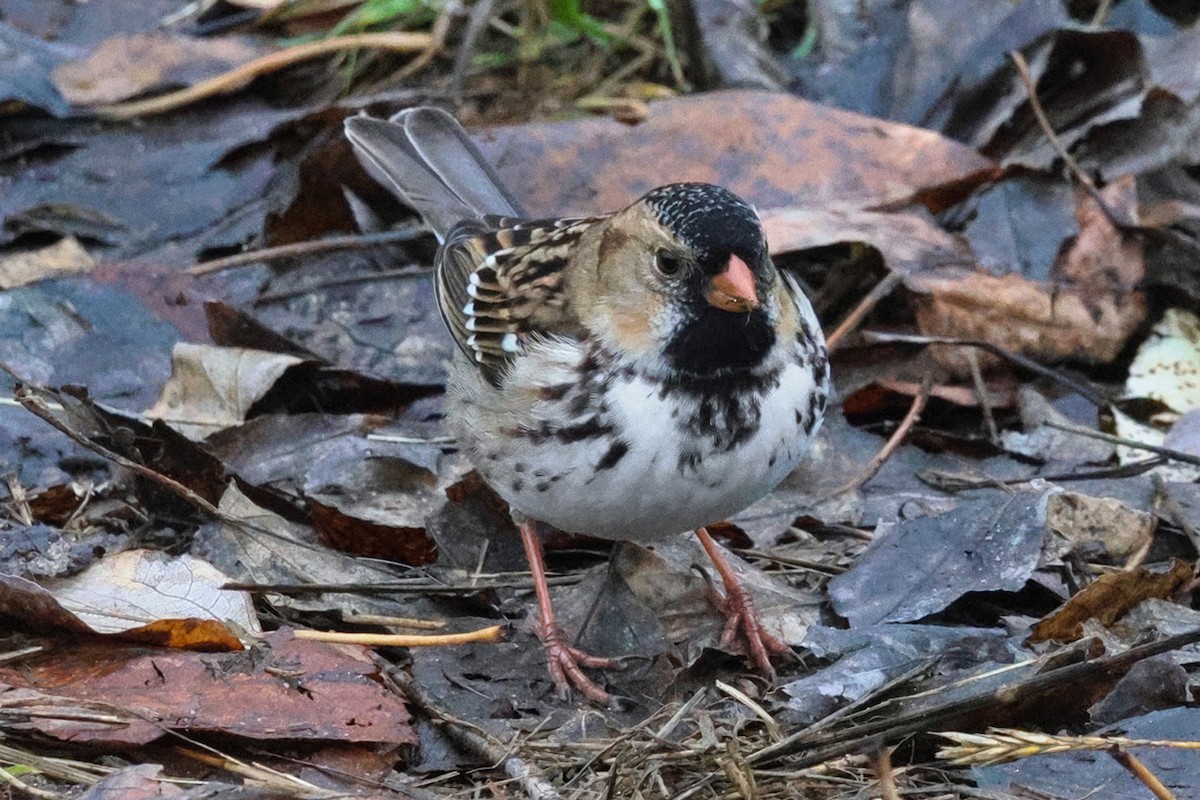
x=740, y=614
x=564, y=662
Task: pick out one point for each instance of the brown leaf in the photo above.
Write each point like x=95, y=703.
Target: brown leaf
x=1083, y=522
x=771, y=148
x=212, y=388
x=406, y=544
x=293, y=689
x=140, y=595
x=908, y=242
x=1024, y=317
x=1086, y=309
x=128, y=65
x=375, y=506
x=1107, y=599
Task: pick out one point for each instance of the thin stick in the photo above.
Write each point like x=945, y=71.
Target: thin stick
x=238, y=77
x=864, y=307
x=417, y=586
x=437, y=42
x=985, y=402
x=495, y=633
x=348, y=242
x=951, y=482
x=395, y=622
x=37, y=406
x=352, y=280
x=1044, y=121
x=893, y=443
x=1139, y=771
x=1162, y=235
x=481, y=12
x=891, y=727
x=1087, y=392
x=884, y=774
x=32, y=791
x=1174, y=455
x=475, y=739
x=272, y=779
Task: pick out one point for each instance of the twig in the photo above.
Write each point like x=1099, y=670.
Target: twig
x=437, y=42
x=474, y=739
x=950, y=482
x=289, y=785
x=351, y=280
x=985, y=403
x=884, y=774
x=1044, y=121
x=870, y=698
x=494, y=633
x=1101, y=15
x=773, y=730
x=823, y=747
x=1174, y=455
x=395, y=622
x=1162, y=235
x=17, y=655
x=40, y=408
x=418, y=586
x=347, y=242
x=864, y=307
x=390, y=439
x=1139, y=771
x=893, y=442
x=481, y=12
x=37, y=406
x=21, y=786
x=238, y=77
x=1087, y=392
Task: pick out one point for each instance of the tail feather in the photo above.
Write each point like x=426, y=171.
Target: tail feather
x=430, y=162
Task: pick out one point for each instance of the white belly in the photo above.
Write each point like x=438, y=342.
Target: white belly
x=635, y=463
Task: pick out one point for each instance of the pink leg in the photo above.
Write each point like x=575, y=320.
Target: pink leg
x=563, y=661
x=738, y=608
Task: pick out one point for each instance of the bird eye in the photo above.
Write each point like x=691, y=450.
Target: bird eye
x=668, y=263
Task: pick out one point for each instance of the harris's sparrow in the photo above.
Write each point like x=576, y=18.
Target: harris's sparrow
x=630, y=376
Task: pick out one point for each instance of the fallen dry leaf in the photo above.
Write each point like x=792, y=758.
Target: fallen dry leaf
x=64, y=257
x=291, y=689
x=1167, y=365
x=141, y=595
x=1023, y=317
x=268, y=549
x=139, y=782
x=909, y=242
x=1107, y=599
x=989, y=541
x=212, y=388
x=1086, y=310
x=1081, y=523
x=126, y=66
x=771, y=148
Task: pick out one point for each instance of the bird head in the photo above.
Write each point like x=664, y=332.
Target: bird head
x=684, y=277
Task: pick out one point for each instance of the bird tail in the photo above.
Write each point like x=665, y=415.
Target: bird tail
x=426, y=158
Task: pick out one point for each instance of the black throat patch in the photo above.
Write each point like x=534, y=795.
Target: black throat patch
x=713, y=342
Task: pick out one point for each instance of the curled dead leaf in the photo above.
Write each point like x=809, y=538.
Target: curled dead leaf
x=1107, y=599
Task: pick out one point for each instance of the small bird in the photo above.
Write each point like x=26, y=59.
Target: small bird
x=631, y=376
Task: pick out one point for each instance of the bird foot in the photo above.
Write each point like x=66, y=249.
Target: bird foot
x=741, y=617
x=566, y=664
